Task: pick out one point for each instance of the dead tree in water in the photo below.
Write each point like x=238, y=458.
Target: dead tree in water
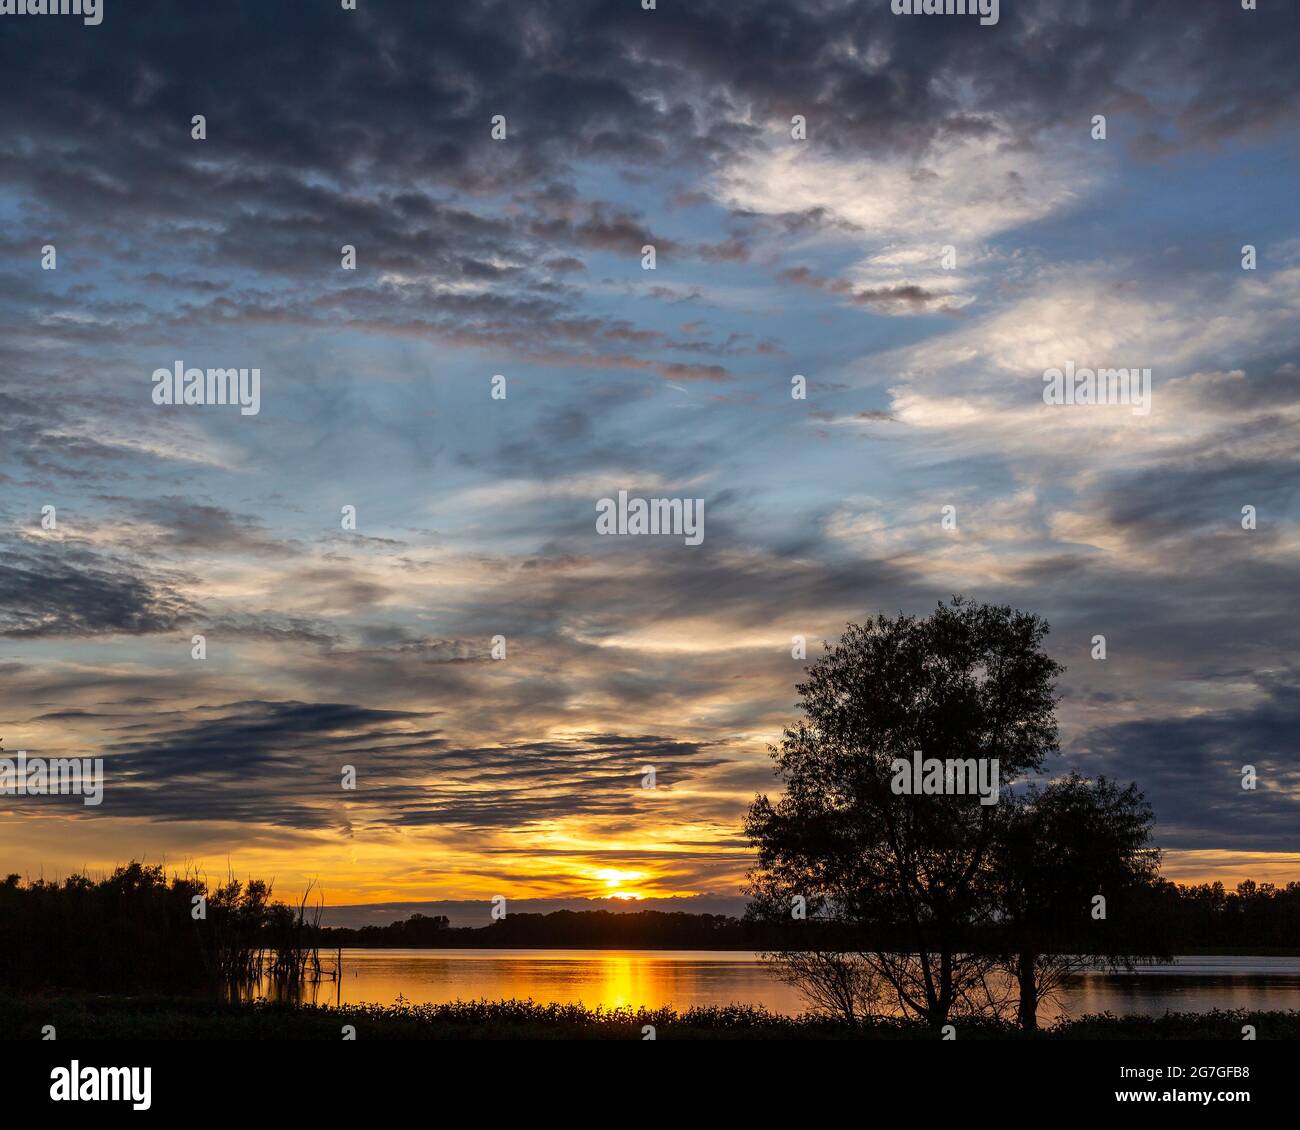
x=297, y=942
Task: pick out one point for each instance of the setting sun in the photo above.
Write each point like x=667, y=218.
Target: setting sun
x=614, y=879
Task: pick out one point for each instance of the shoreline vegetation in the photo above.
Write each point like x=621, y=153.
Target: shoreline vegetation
x=88, y=1017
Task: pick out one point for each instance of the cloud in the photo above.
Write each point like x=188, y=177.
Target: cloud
x=1192, y=769
x=48, y=589
x=283, y=763
x=522, y=257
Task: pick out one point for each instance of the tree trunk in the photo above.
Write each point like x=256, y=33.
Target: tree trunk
x=1025, y=974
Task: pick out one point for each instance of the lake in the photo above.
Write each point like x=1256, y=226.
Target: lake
x=683, y=978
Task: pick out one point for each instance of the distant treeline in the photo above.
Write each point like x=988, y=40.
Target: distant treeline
x=1208, y=916
x=1169, y=917
x=568, y=929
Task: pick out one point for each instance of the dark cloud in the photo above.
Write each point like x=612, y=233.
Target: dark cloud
x=49, y=589
x=283, y=763
x=906, y=297
x=185, y=524
x=375, y=129
x=1191, y=769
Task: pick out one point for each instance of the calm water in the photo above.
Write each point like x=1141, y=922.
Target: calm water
x=705, y=977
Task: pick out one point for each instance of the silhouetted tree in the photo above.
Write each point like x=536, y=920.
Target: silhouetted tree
x=1058, y=850
x=971, y=681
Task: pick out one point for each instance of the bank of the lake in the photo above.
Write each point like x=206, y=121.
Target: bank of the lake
x=172, y=1019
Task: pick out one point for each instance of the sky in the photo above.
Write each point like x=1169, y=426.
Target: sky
x=915, y=214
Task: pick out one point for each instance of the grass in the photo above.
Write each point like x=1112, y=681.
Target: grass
x=190, y=1018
